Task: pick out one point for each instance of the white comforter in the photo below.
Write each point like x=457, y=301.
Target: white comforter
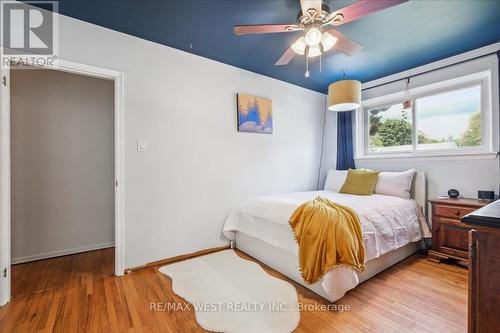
x=387, y=222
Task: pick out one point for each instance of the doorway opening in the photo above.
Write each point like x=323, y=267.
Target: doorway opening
x=61, y=196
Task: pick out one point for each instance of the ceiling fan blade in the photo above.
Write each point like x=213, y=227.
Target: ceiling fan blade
x=286, y=57
x=264, y=28
x=344, y=44
x=363, y=8
x=310, y=4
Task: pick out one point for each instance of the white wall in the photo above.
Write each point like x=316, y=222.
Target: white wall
x=62, y=160
x=198, y=166
x=466, y=175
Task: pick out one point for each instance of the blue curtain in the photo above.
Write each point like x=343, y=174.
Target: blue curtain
x=345, y=150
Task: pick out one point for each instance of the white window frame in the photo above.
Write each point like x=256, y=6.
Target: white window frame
x=486, y=150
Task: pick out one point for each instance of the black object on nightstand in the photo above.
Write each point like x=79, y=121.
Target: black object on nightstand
x=486, y=195
x=452, y=193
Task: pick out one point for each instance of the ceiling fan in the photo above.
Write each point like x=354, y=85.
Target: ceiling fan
x=316, y=21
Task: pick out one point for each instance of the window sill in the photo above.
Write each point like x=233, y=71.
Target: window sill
x=426, y=157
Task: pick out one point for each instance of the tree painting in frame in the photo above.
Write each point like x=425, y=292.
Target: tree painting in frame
x=255, y=114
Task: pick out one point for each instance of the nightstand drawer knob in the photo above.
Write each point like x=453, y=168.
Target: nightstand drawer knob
x=457, y=213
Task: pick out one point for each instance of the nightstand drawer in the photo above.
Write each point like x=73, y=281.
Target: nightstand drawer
x=452, y=212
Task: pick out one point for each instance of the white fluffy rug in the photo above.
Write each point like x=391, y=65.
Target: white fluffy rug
x=231, y=294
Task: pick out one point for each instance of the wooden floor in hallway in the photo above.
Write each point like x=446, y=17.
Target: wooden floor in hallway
x=78, y=293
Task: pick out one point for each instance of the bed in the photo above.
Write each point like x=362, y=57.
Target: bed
x=392, y=230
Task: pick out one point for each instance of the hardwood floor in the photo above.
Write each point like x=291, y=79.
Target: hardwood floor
x=79, y=293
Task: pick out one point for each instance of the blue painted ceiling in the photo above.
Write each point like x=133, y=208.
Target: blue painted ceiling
x=395, y=39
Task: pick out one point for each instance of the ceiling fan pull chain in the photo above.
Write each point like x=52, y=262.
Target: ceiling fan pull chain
x=307, y=67
x=320, y=62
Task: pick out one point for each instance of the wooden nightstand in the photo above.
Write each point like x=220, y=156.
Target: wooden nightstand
x=450, y=239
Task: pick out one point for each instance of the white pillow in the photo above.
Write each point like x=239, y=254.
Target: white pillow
x=397, y=184
x=335, y=179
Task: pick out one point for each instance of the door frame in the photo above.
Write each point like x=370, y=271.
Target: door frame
x=5, y=174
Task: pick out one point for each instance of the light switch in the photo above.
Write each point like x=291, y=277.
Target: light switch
x=142, y=145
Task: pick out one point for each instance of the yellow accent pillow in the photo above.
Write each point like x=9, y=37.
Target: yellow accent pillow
x=360, y=182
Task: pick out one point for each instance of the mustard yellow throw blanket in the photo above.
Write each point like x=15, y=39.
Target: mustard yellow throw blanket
x=328, y=235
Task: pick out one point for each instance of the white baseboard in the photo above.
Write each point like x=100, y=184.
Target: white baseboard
x=59, y=253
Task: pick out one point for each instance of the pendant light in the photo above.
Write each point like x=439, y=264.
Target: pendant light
x=344, y=95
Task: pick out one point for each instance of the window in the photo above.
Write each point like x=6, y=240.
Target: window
x=446, y=118
x=449, y=120
x=390, y=128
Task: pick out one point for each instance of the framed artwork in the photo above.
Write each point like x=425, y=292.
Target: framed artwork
x=255, y=114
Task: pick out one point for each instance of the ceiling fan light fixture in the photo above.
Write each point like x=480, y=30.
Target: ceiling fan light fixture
x=313, y=51
x=313, y=17
x=313, y=36
x=328, y=41
x=299, y=46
